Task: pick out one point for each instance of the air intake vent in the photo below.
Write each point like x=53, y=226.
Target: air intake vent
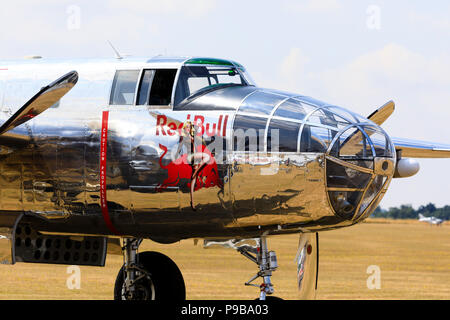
x=30, y=246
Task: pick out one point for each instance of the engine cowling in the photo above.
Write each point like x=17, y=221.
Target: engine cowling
x=406, y=168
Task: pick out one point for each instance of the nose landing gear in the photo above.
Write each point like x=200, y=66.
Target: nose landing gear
x=267, y=263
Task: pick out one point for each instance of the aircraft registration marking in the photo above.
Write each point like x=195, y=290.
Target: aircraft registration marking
x=103, y=157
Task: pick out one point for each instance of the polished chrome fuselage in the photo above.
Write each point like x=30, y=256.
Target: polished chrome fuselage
x=50, y=166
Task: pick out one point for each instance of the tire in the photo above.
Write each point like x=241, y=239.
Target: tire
x=166, y=281
x=271, y=298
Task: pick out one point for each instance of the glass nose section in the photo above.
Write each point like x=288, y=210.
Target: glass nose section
x=352, y=145
x=357, y=168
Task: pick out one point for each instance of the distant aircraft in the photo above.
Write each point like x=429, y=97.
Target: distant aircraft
x=430, y=220
x=115, y=151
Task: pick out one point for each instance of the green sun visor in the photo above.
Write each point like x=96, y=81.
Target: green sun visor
x=215, y=62
x=210, y=61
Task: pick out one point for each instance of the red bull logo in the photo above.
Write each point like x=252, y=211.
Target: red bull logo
x=165, y=128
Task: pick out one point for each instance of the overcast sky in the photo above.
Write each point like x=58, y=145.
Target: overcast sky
x=356, y=53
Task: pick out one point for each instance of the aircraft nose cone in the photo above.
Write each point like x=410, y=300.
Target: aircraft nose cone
x=360, y=163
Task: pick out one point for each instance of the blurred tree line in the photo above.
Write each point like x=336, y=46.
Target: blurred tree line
x=408, y=212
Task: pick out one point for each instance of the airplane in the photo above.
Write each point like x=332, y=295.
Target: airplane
x=97, y=155
x=430, y=220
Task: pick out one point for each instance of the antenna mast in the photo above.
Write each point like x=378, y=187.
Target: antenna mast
x=117, y=54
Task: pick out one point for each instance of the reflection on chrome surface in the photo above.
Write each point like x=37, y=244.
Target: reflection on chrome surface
x=253, y=160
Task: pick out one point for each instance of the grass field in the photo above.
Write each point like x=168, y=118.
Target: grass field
x=414, y=259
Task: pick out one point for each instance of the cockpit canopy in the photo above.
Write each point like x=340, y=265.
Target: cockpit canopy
x=200, y=76
x=169, y=83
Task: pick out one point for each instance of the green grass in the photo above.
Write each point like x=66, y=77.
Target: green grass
x=414, y=259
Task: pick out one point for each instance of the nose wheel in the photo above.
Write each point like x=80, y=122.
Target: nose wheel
x=267, y=263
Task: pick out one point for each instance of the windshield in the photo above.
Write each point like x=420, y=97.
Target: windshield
x=195, y=80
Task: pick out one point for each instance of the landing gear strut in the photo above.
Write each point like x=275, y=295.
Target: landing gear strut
x=147, y=275
x=267, y=263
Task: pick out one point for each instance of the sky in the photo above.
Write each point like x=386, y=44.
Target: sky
x=357, y=54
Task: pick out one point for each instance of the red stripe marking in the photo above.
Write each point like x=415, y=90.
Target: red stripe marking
x=4, y=69
x=103, y=156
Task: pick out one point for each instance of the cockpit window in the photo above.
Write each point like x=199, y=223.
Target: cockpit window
x=282, y=136
x=261, y=103
x=195, y=80
x=328, y=118
x=291, y=109
x=162, y=85
x=249, y=133
x=155, y=88
x=344, y=114
x=315, y=139
x=144, y=88
x=124, y=87
x=247, y=77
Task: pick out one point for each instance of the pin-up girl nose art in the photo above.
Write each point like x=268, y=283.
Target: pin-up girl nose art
x=196, y=163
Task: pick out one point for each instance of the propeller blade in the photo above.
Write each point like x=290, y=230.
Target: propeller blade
x=307, y=260
x=380, y=115
x=41, y=101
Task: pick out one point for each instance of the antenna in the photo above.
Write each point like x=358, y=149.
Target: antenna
x=118, y=56
x=32, y=57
